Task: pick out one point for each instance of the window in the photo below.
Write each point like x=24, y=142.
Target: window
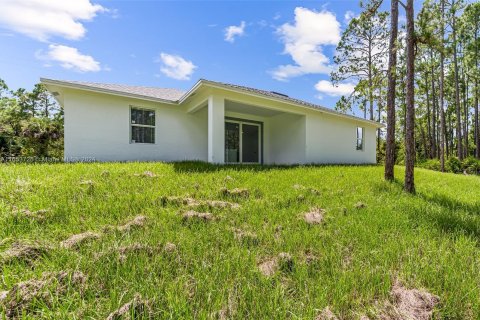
x=142, y=125
x=359, y=138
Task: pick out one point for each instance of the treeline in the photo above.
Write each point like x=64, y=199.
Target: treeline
x=31, y=124
x=445, y=42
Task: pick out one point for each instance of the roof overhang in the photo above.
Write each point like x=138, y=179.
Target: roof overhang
x=69, y=85
x=202, y=83
x=51, y=84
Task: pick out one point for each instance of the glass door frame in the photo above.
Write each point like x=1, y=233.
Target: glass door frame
x=240, y=122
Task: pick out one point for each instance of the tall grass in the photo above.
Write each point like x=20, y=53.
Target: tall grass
x=429, y=240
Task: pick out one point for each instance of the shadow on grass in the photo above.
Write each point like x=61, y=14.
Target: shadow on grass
x=455, y=217
x=201, y=166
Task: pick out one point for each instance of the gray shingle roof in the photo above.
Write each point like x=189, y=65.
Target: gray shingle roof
x=272, y=94
x=177, y=96
x=153, y=92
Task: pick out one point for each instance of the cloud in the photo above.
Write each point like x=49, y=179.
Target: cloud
x=174, y=66
x=234, y=31
x=349, y=15
x=326, y=87
x=304, y=41
x=69, y=58
x=41, y=20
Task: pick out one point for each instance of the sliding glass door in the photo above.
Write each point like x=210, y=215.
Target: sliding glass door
x=242, y=142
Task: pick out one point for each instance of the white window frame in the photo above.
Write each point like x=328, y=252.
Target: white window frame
x=362, y=138
x=142, y=125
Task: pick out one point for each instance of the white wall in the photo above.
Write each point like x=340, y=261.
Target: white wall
x=98, y=126
x=287, y=139
x=333, y=140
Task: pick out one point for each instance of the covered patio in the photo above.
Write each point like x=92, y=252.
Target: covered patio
x=243, y=132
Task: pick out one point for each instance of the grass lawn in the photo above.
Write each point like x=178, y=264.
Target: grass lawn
x=349, y=262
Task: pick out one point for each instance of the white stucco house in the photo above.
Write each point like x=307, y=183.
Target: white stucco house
x=213, y=121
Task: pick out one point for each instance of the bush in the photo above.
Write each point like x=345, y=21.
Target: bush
x=471, y=165
x=431, y=164
x=454, y=165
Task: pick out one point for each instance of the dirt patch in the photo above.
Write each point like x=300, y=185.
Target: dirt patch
x=179, y=201
x=190, y=202
x=245, y=236
x=3, y=295
x=309, y=257
x=105, y=173
x=270, y=266
x=315, y=216
x=26, y=252
x=137, y=307
x=222, y=204
x=194, y=215
x=170, y=247
x=360, y=205
x=409, y=304
x=145, y=174
x=18, y=301
x=77, y=240
x=230, y=310
x=137, y=222
x=136, y=248
x=236, y=192
x=38, y=215
x=326, y=314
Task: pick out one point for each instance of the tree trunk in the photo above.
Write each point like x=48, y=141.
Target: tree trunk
x=477, y=92
x=428, y=153
x=477, y=135
x=465, y=122
x=442, y=109
x=458, y=129
x=410, y=102
x=424, y=141
x=434, y=113
x=392, y=64
x=379, y=131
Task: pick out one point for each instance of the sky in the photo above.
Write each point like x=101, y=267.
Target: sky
x=283, y=46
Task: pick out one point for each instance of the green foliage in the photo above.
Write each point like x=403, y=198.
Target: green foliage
x=471, y=165
x=430, y=164
x=31, y=123
x=453, y=164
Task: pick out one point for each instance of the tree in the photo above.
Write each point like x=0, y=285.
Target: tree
x=361, y=54
x=31, y=123
x=392, y=64
x=410, y=101
x=470, y=32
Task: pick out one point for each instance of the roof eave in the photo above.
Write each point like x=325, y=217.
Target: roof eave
x=70, y=85
x=201, y=82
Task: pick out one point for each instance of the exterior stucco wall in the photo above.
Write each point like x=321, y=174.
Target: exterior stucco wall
x=333, y=140
x=98, y=126
x=287, y=139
